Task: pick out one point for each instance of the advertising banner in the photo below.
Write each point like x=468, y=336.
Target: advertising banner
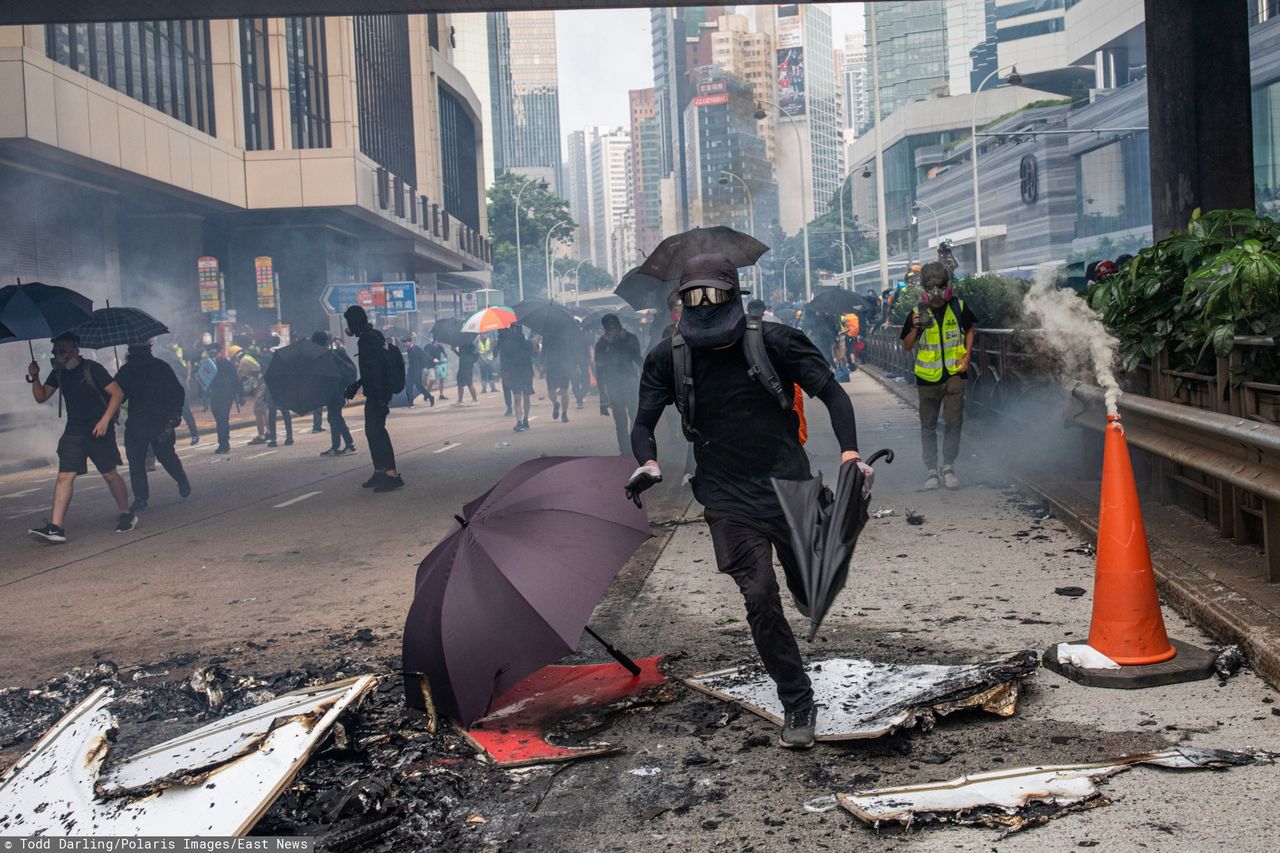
x=711, y=100
x=207, y=274
x=791, y=80
x=264, y=275
x=788, y=29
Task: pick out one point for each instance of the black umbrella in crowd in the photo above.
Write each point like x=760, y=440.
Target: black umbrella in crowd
x=6, y=334
x=511, y=589
x=824, y=530
x=400, y=333
x=303, y=376
x=836, y=300
x=448, y=331
x=643, y=291
x=112, y=327
x=546, y=318
x=40, y=311
x=591, y=321
x=667, y=261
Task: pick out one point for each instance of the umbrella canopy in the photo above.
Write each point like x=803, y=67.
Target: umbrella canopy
x=489, y=320
x=836, y=300
x=545, y=318
x=591, y=321
x=511, y=589
x=398, y=332
x=6, y=333
x=667, y=260
x=449, y=332
x=303, y=376
x=824, y=531
x=643, y=291
x=112, y=327
x=34, y=310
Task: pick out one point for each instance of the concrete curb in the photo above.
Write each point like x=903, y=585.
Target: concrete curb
x=1221, y=611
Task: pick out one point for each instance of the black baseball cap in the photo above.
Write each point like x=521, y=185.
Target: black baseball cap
x=709, y=271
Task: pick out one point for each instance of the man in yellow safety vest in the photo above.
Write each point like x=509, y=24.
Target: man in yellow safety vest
x=941, y=333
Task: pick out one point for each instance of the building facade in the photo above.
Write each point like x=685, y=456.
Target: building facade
x=577, y=176
x=750, y=57
x=855, y=82
x=470, y=38
x=610, y=196
x=912, y=44
x=525, y=87
x=646, y=174
x=344, y=149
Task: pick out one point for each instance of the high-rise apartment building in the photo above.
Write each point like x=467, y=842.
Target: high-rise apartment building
x=577, y=178
x=748, y=56
x=808, y=138
x=912, y=36
x=855, y=81
x=525, y=88
x=142, y=154
x=610, y=194
x=646, y=174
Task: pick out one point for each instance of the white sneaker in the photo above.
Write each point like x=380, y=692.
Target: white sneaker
x=949, y=479
x=931, y=482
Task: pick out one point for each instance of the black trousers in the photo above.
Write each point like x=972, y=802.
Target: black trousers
x=338, y=431
x=744, y=551
x=315, y=419
x=137, y=442
x=623, y=396
x=271, y=420
x=222, y=416
x=413, y=387
x=190, y=420
x=375, y=433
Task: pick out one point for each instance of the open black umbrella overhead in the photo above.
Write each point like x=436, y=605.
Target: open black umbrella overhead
x=824, y=531
x=40, y=311
x=119, y=327
x=836, y=300
x=643, y=291
x=544, y=317
x=510, y=590
x=303, y=376
x=667, y=260
x=6, y=334
x=448, y=331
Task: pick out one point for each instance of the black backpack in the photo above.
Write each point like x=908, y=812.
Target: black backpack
x=393, y=369
x=761, y=368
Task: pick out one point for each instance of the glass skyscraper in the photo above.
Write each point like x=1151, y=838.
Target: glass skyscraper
x=525, y=86
x=913, y=58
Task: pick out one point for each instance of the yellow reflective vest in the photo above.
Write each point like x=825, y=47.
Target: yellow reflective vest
x=941, y=344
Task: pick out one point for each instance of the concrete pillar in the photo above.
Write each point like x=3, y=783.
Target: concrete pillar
x=228, y=81
x=281, y=121
x=426, y=112
x=1111, y=67
x=1199, y=112
x=344, y=123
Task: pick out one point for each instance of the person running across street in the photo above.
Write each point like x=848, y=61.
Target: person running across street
x=618, y=362
x=738, y=412
x=417, y=361
x=941, y=333
x=156, y=400
x=92, y=401
x=373, y=359
x=467, y=358
x=338, y=430
x=437, y=363
x=515, y=353
x=558, y=364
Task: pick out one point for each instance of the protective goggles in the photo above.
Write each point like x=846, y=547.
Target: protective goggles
x=696, y=296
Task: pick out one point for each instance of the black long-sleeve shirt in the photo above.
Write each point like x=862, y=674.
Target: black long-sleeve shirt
x=370, y=355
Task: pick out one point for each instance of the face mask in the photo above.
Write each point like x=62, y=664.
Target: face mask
x=710, y=326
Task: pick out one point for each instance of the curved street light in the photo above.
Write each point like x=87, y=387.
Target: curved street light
x=550, y=231
x=804, y=206
x=751, y=210
x=934, y=213
x=1014, y=79
x=577, y=283
x=519, y=255
x=785, y=292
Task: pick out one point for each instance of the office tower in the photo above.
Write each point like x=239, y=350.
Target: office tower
x=912, y=50
x=855, y=78
x=577, y=177
x=750, y=57
x=525, y=88
x=610, y=193
x=646, y=198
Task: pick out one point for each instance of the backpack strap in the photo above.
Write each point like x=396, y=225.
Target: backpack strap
x=682, y=375
x=761, y=365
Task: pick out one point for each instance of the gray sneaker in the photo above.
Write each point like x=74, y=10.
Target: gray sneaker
x=798, y=728
x=931, y=482
x=949, y=479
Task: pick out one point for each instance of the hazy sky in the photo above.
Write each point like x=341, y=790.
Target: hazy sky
x=604, y=53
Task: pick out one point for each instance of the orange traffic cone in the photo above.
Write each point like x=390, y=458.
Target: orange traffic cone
x=1127, y=625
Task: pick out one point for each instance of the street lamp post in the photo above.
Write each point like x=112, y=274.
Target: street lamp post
x=804, y=204
x=550, y=231
x=1014, y=79
x=577, y=283
x=880, y=202
x=751, y=211
x=846, y=257
x=840, y=204
x=933, y=213
x=785, y=293
x=519, y=256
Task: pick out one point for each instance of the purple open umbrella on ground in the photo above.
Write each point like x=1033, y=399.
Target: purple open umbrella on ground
x=511, y=589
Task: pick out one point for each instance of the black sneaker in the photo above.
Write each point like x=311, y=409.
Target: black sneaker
x=332, y=451
x=271, y=442
x=223, y=450
x=288, y=441
x=389, y=484
x=798, y=728
x=350, y=448
x=126, y=522
x=195, y=439
x=431, y=400
x=51, y=533
x=555, y=411
x=564, y=416
x=519, y=427
x=525, y=422
x=315, y=430
x=138, y=505
x=378, y=477
x=507, y=413
x=184, y=488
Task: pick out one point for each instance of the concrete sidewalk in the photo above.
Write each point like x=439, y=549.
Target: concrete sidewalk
x=976, y=579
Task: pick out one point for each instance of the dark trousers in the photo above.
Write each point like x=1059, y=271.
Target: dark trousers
x=338, y=430
x=947, y=398
x=623, y=397
x=190, y=420
x=222, y=416
x=137, y=443
x=413, y=387
x=744, y=551
x=506, y=394
x=487, y=375
x=375, y=433
x=315, y=419
x=271, y=421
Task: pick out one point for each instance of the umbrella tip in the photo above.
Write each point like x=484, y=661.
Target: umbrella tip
x=461, y=520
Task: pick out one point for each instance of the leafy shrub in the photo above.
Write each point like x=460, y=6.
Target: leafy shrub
x=994, y=300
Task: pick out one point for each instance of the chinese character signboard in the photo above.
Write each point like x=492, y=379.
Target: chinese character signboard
x=392, y=297
x=469, y=302
x=207, y=274
x=264, y=275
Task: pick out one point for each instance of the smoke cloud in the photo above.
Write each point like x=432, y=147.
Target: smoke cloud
x=1073, y=333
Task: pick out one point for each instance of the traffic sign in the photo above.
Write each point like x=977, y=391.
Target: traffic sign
x=389, y=297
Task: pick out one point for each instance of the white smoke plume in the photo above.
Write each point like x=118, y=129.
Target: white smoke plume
x=1073, y=332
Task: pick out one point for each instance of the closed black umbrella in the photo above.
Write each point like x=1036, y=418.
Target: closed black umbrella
x=643, y=291
x=448, y=331
x=511, y=589
x=40, y=311
x=119, y=327
x=836, y=300
x=667, y=261
x=824, y=531
x=303, y=376
x=546, y=318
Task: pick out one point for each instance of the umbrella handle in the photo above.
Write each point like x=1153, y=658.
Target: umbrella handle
x=885, y=453
x=621, y=658
x=32, y=350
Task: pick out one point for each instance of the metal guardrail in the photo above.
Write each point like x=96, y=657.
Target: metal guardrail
x=1211, y=441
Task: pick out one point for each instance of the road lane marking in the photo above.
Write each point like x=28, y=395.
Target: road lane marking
x=21, y=494
x=21, y=513
x=260, y=455
x=298, y=499
x=441, y=450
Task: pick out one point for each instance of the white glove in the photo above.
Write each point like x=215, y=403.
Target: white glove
x=644, y=477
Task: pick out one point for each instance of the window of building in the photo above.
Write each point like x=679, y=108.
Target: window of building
x=458, y=160
x=164, y=64
x=308, y=82
x=255, y=65
x=383, y=94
